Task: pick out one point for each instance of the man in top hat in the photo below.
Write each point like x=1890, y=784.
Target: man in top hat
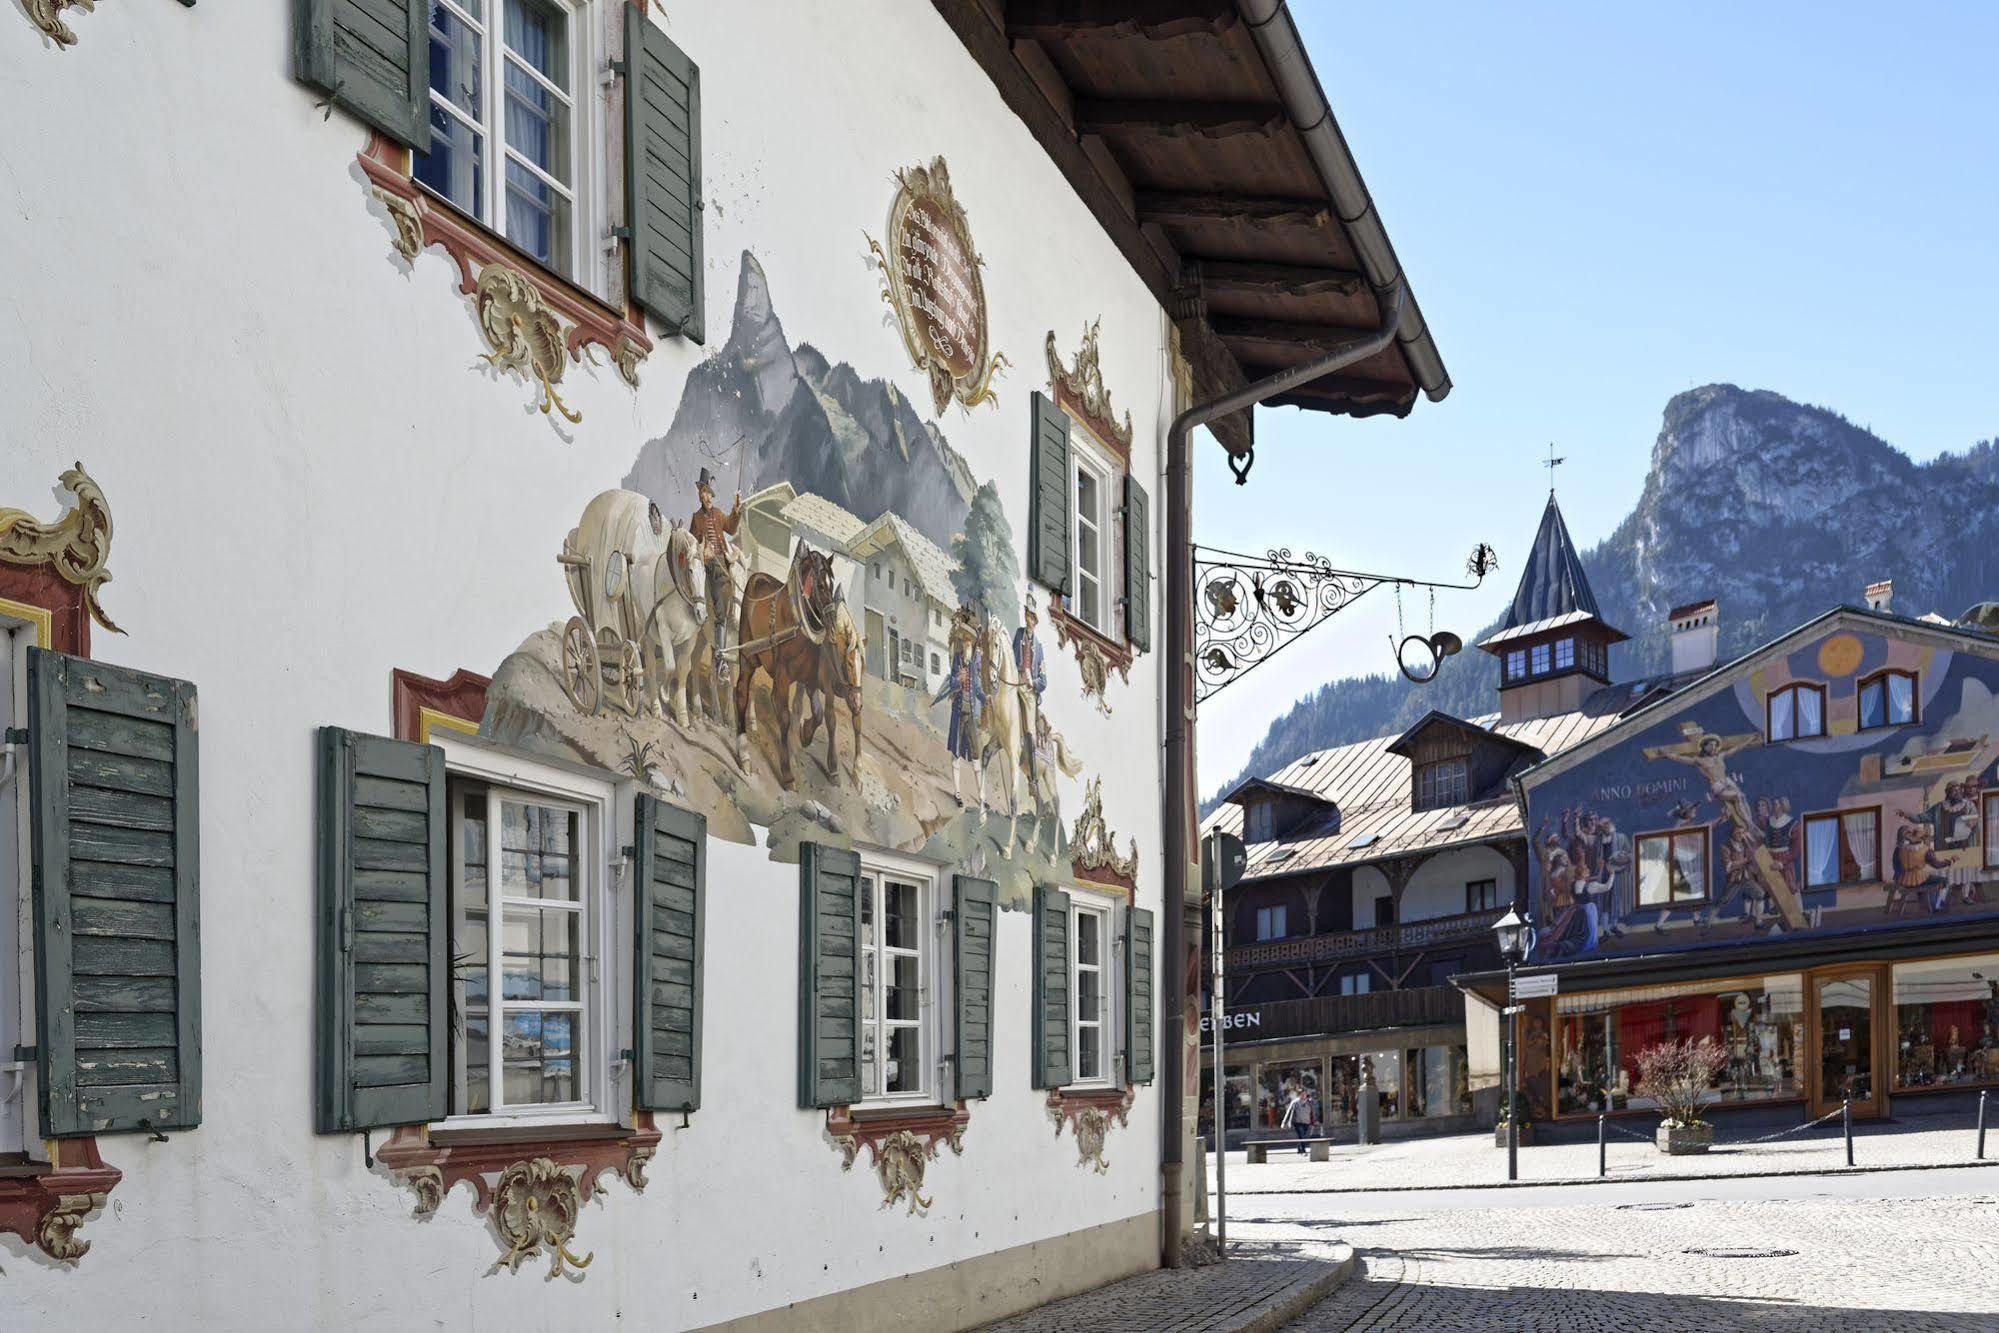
x=1028, y=668
x=967, y=694
x=712, y=529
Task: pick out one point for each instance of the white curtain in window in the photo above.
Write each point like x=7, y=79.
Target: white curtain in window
x=1810, y=710
x=1821, y=851
x=1691, y=881
x=1862, y=829
x=1782, y=726
x=1901, y=698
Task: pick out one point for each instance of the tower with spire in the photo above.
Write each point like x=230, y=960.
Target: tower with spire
x=1554, y=645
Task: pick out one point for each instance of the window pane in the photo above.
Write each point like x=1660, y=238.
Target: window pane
x=537, y=123
x=468, y=947
x=1862, y=830
x=541, y=953
x=902, y=927
x=1540, y=654
x=455, y=165
x=535, y=846
x=1565, y=652
x=478, y=1087
x=1947, y=1022
x=1654, y=885
x=1089, y=938
x=1781, y=725
x=1090, y=994
x=539, y=1054
x=901, y=998
x=1871, y=711
x=1690, y=868
x=456, y=60
x=1901, y=699
x=539, y=36
x=1089, y=1052
x=537, y=218
x=1821, y=851
x=1811, y=713
x=905, y=1061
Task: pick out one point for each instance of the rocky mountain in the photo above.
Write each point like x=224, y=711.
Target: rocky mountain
x=803, y=419
x=1775, y=509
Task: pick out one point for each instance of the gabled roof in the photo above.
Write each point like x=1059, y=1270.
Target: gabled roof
x=933, y=567
x=1243, y=788
x=822, y=515
x=1553, y=590
x=1404, y=743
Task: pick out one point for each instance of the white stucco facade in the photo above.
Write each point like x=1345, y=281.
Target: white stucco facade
x=316, y=481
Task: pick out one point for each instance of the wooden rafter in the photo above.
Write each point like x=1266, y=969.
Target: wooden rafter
x=1162, y=116
x=1185, y=207
x=1157, y=20
x=1314, y=338
x=1293, y=279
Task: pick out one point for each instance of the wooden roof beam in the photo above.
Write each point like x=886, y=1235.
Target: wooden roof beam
x=1156, y=20
x=1316, y=339
x=1183, y=207
x=1172, y=118
x=1278, y=279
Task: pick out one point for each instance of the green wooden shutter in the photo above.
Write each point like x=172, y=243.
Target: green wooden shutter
x=1137, y=565
x=663, y=176
x=384, y=961
x=1138, y=1039
x=829, y=962
x=1054, y=1061
x=115, y=832
x=973, y=916
x=371, y=57
x=1050, y=496
x=671, y=917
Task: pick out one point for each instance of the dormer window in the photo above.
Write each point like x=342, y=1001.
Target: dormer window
x=1796, y=712
x=1443, y=782
x=1887, y=699
x=1261, y=821
x=1565, y=654
x=1539, y=657
x=1516, y=664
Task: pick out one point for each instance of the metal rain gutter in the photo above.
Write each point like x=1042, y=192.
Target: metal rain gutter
x=1276, y=37
x=1181, y=818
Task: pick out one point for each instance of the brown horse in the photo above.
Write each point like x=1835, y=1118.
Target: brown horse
x=783, y=633
x=839, y=679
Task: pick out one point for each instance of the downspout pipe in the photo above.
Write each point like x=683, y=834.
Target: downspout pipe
x=1181, y=853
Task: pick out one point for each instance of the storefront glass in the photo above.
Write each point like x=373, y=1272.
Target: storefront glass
x=1238, y=1096
x=1438, y=1085
x=1387, y=1066
x=1760, y=1024
x=1274, y=1085
x=1947, y=1022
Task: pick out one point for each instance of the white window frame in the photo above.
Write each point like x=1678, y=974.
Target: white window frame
x=596, y=138
x=17, y=953
x=1089, y=458
x=929, y=1024
x=1271, y=922
x=1110, y=974
x=602, y=1082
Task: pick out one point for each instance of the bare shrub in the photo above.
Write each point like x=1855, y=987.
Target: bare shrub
x=1676, y=1073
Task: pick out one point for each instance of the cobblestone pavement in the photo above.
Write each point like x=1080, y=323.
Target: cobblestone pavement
x=1858, y=1265
x=1237, y=1295
x=1470, y=1159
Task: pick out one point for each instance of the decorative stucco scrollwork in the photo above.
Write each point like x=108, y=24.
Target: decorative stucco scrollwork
x=47, y=15
x=427, y=1183
x=1084, y=383
x=407, y=222
x=1092, y=845
x=76, y=545
x=1089, y=1116
x=900, y=1147
x=534, y=1206
x=57, y=1232
x=899, y=1161
x=634, y=1170
x=523, y=332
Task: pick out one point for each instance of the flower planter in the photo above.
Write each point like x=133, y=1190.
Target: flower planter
x=1526, y=1135
x=1684, y=1140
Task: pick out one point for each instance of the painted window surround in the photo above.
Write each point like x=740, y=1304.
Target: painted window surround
x=1109, y=443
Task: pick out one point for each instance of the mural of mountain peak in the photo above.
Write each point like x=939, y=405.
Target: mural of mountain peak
x=800, y=550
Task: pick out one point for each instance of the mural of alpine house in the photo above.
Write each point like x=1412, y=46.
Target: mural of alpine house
x=610, y=766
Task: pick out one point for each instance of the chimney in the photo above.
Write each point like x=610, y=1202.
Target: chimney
x=1880, y=596
x=1696, y=635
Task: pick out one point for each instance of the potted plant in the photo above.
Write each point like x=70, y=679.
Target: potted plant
x=1524, y=1111
x=1675, y=1075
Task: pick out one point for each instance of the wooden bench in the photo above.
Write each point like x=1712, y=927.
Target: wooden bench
x=1321, y=1149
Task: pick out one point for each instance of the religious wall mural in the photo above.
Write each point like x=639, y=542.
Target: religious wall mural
x=1848, y=784
x=801, y=610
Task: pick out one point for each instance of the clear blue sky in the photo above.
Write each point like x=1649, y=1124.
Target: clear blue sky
x=1600, y=206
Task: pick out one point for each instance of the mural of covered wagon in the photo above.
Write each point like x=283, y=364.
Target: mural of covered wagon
x=639, y=605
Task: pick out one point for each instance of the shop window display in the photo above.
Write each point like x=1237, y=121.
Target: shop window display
x=1273, y=1090
x=1947, y=1022
x=1238, y=1096
x=1760, y=1026
x=1387, y=1067
x=1439, y=1083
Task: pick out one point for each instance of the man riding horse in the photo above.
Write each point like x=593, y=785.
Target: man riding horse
x=713, y=529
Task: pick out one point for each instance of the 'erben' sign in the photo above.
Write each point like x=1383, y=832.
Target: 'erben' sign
x=1247, y=1019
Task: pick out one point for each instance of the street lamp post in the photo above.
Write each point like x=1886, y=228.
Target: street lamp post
x=1512, y=933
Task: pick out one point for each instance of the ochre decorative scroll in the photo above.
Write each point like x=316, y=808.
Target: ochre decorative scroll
x=1080, y=389
x=900, y=1147
x=930, y=278
x=531, y=1190
x=532, y=320
x=77, y=545
x=1096, y=655
x=1089, y=1116
x=47, y=15
x=1093, y=846
x=47, y=1208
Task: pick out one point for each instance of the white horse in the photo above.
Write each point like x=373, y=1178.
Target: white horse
x=676, y=624
x=640, y=578
x=1005, y=724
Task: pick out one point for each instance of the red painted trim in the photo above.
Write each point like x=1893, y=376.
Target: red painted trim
x=1068, y=629
x=479, y=1163
x=462, y=696
x=1108, y=433
x=74, y=1186
x=40, y=585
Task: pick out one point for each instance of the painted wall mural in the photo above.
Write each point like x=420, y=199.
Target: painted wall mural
x=1872, y=806
x=803, y=553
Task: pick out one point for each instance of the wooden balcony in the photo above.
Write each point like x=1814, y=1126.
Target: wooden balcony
x=1345, y=944
x=1415, y=1006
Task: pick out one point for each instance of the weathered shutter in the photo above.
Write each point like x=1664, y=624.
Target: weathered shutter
x=371, y=57
x=829, y=968
x=663, y=176
x=384, y=963
x=1138, y=1039
x=1049, y=498
x=671, y=917
x=117, y=897
x=1137, y=565
x=973, y=913
x=1054, y=1061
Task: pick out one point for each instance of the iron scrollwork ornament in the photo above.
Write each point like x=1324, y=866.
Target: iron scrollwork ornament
x=1249, y=608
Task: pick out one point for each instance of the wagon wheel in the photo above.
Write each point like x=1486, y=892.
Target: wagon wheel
x=627, y=680
x=582, y=672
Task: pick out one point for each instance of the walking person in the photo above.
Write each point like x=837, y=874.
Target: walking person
x=1299, y=1115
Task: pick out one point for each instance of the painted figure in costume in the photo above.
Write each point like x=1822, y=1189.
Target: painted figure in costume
x=1707, y=754
x=714, y=530
x=1916, y=864
x=1774, y=819
x=962, y=687
x=1027, y=666
x=1738, y=868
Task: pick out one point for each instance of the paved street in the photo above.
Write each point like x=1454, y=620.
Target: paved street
x=1878, y=1254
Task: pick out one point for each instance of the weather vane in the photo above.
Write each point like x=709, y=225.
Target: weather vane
x=1552, y=463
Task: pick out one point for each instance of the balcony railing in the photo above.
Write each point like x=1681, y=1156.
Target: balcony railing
x=1362, y=943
